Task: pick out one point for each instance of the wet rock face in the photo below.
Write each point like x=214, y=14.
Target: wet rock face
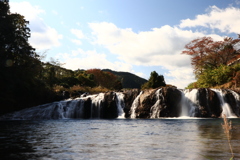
x=171, y=105
x=87, y=108
x=146, y=101
x=129, y=97
x=231, y=100
x=109, y=108
x=214, y=105
x=203, y=108
x=168, y=105
x=209, y=104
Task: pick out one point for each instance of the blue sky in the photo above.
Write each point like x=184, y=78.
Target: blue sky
x=137, y=36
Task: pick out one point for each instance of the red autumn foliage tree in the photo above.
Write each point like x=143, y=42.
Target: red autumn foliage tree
x=105, y=79
x=209, y=54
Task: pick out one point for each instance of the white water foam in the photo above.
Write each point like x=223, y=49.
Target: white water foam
x=189, y=103
x=155, y=110
x=225, y=106
x=96, y=105
x=134, y=106
x=120, y=105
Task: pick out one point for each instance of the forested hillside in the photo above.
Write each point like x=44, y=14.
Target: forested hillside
x=128, y=80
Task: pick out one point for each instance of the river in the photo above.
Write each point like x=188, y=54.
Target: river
x=73, y=139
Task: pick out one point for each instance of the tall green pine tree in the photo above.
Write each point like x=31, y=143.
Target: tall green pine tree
x=154, y=81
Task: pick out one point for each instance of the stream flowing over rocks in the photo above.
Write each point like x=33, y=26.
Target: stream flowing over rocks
x=152, y=103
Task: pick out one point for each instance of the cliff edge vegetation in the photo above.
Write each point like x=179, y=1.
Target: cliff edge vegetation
x=215, y=63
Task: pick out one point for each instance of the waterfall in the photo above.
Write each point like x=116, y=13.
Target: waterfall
x=237, y=97
x=53, y=110
x=225, y=106
x=96, y=105
x=134, y=106
x=155, y=109
x=71, y=108
x=74, y=109
x=120, y=104
x=171, y=102
x=189, y=102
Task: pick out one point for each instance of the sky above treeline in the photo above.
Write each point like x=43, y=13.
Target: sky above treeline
x=137, y=36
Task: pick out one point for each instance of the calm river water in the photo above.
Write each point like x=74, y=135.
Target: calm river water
x=124, y=139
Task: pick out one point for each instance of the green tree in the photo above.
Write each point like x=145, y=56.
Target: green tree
x=218, y=76
x=20, y=66
x=154, y=81
x=86, y=79
x=14, y=33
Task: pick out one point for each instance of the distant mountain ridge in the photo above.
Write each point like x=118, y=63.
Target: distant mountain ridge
x=128, y=79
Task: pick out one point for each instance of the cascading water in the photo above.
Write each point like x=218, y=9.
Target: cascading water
x=155, y=109
x=134, y=106
x=225, y=106
x=72, y=108
x=189, y=102
x=169, y=102
x=96, y=105
x=120, y=104
x=236, y=96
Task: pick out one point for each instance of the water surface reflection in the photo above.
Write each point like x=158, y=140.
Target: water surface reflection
x=117, y=139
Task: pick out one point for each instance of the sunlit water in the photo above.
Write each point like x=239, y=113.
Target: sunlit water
x=117, y=139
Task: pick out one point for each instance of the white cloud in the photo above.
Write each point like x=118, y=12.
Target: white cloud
x=47, y=39
x=25, y=8
x=76, y=41
x=226, y=20
x=78, y=33
x=181, y=77
x=42, y=35
x=80, y=59
x=157, y=47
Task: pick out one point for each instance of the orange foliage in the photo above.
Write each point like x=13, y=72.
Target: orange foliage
x=105, y=79
x=207, y=53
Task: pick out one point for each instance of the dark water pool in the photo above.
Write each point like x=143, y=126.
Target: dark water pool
x=67, y=139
